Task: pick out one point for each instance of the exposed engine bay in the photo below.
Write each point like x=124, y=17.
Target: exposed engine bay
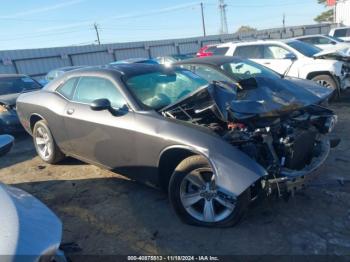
x=288, y=136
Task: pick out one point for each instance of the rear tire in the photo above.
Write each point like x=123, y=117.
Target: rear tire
x=45, y=144
x=196, y=199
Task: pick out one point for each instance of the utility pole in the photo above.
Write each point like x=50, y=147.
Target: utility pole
x=222, y=8
x=335, y=13
x=97, y=33
x=284, y=22
x=203, y=20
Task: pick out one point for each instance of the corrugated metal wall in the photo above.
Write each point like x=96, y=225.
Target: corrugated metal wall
x=37, y=62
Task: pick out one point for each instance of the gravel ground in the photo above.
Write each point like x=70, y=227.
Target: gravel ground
x=104, y=213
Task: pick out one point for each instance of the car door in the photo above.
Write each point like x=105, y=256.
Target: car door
x=269, y=55
x=275, y=58
x=100, y=136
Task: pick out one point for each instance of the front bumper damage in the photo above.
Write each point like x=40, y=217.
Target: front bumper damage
x=345, y=82
x=291, y=181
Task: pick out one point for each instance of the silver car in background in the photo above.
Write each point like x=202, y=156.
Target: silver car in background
x=29, y=231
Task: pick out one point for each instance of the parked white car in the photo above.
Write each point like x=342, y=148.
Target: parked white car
x=341, y=32
x=325, y=42
x=295, y=59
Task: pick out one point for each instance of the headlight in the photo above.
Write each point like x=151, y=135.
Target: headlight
x=3, y=109
x=345, y=70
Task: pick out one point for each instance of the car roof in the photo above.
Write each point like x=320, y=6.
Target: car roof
x=307, y=36
x=126, y=69
x=133, y=60
x=210, y=60
x=66, y=68
x=343, y=27
x=254, y=42
x=12, y=75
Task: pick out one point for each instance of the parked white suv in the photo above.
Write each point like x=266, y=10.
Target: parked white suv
x=295, y=59
x=341, y=32
x=324, y=42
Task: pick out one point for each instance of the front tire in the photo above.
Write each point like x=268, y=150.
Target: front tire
x=197, y=200
x=328, y=82
x=45, y=144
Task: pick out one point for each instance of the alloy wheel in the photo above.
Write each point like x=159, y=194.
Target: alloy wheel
x=325, y=84
x=202, y=199
x=43, y=143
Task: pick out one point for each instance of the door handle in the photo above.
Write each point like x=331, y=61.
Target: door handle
x=70, y=111
x=267, y=63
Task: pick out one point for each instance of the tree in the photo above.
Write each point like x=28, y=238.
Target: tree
x=326, y=16
x=246, y=29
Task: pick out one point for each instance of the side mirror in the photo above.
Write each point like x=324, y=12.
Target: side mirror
x=100, y=104
x=6, y=143
x=290, y=56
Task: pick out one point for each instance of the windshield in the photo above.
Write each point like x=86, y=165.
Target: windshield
x=14, y=85
x=304, y=48
x=246, y=69
x=159, y=89
x=335, y=38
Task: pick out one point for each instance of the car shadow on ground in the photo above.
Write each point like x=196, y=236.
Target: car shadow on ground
x=22, y=150
x=119, y=216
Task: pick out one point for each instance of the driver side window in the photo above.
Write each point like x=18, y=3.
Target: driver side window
x=91, y=88
x=275, y=52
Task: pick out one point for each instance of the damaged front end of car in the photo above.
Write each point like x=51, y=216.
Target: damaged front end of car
x=281, y=127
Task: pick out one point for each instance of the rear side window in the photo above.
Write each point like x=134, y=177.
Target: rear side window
x=342, y=32
x=67, y=89
x=250, y=51
x=220, y=51
x=91, y=88
x=310, y=40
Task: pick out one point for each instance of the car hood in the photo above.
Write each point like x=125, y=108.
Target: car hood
x=28, y=227
x=9, y=100
x=273, y=97
x=260, y=97
x=342, y=54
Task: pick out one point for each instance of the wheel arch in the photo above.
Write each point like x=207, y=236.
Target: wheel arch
x=34, y=118
x=170, y=157
x=317, y=73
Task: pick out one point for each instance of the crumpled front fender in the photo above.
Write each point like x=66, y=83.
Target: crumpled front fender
x=234, y=170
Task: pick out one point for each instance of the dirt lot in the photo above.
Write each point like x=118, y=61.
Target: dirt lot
x=107, y=214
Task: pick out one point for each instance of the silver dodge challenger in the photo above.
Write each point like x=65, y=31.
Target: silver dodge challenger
x=213, y=146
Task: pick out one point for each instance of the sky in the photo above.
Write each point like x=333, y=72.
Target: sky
x=51, y=23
